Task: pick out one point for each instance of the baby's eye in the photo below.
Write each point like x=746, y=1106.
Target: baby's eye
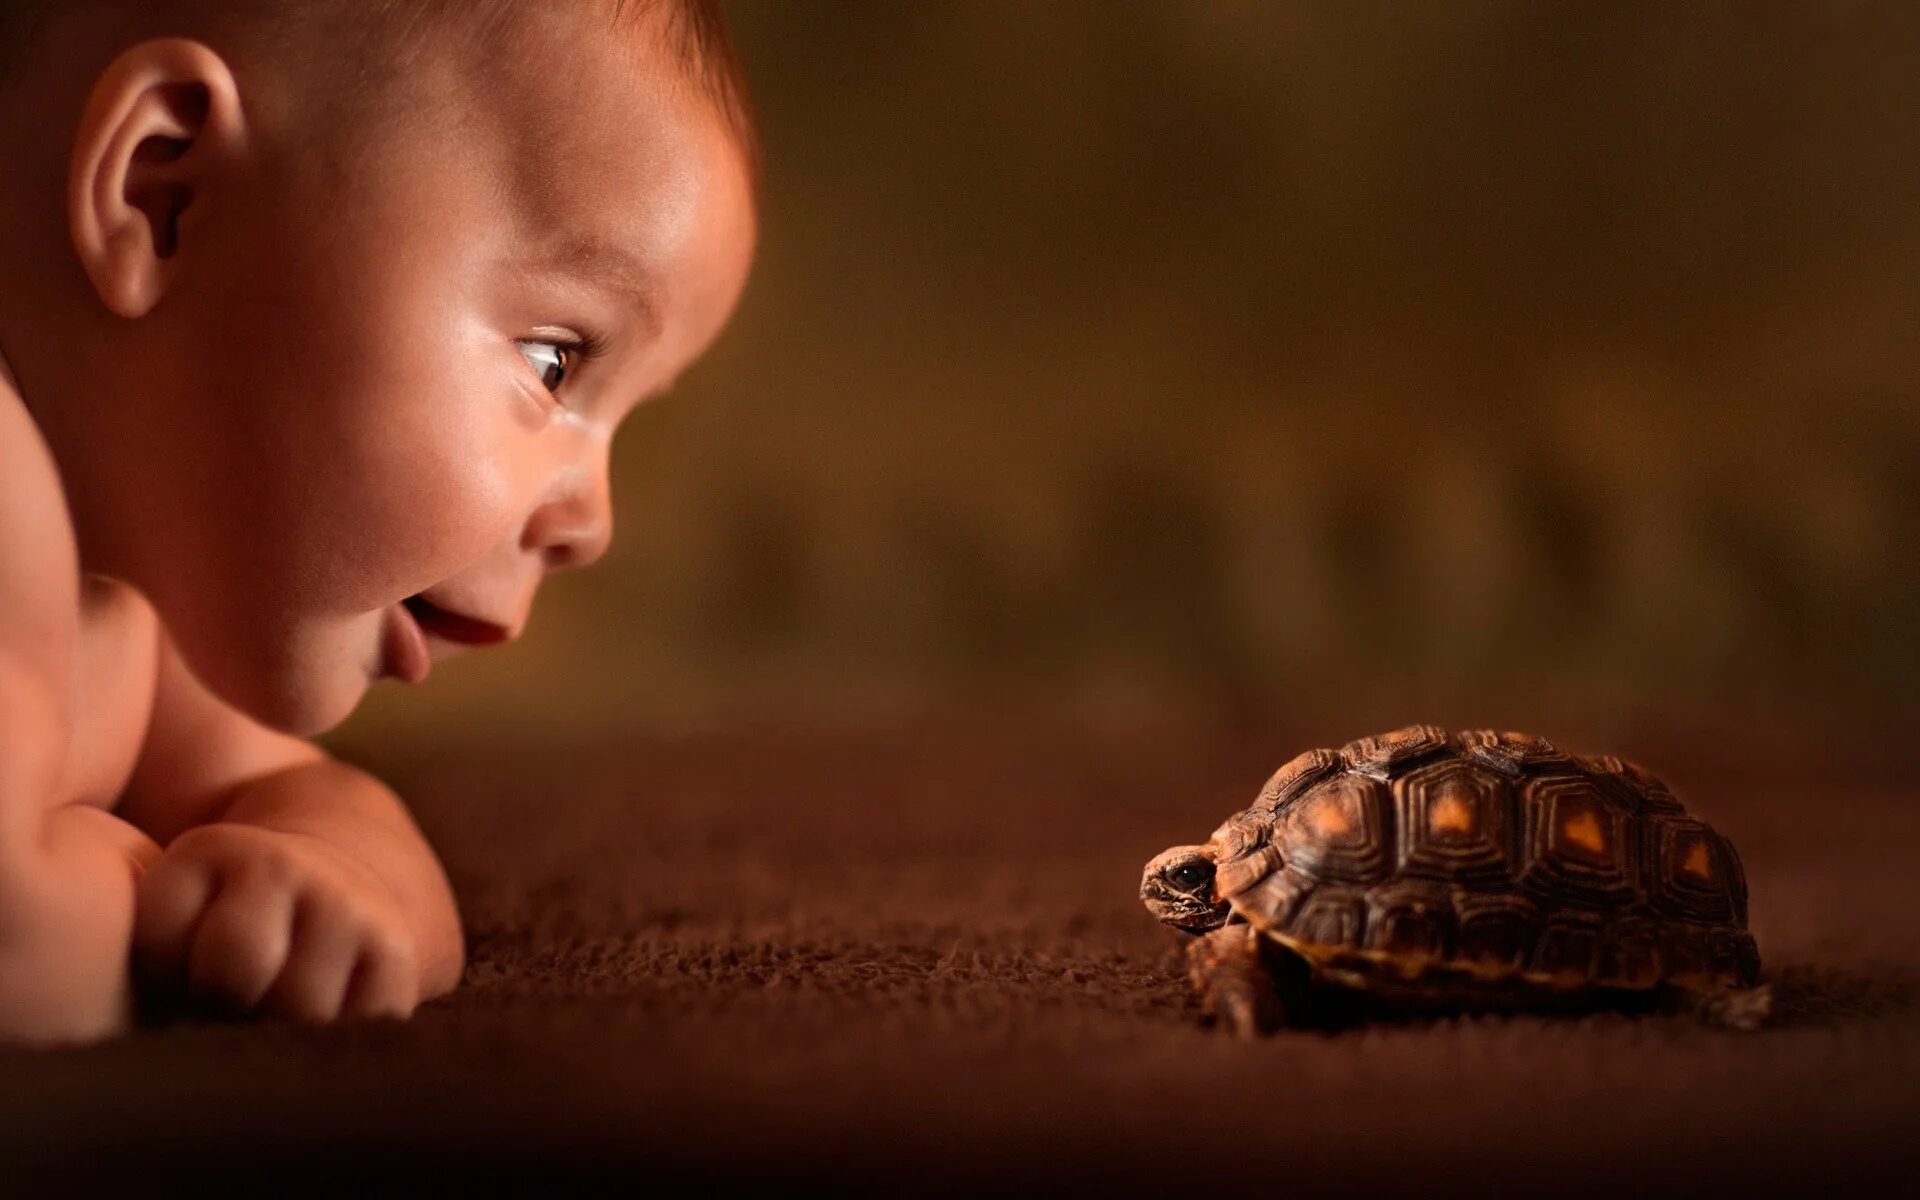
x=550, y=361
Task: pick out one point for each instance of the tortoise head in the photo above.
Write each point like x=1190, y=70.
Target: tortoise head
x=1177, y=889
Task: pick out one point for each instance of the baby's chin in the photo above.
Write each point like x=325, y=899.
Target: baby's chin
x=309, y=703
x=301, y=681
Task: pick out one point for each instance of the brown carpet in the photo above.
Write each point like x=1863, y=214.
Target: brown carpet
x=914, y=961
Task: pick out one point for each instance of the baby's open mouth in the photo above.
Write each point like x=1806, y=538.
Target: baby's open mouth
x=453, y=626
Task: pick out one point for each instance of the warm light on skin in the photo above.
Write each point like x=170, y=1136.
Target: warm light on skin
x=347, y=401
x=293, y=371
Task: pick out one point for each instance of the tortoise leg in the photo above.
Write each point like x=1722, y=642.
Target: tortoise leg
x=1725, y=1007
x=1236, y=987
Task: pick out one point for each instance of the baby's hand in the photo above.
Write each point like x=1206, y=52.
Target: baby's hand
x=283, y=923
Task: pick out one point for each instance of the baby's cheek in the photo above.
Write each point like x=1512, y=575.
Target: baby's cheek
x=470, y=461
x=416, y=498
x=456, y=504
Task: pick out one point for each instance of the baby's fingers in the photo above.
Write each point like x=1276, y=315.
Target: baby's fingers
x=385, y=983
x=327, y=936
x=241, y=942
x=168, y=904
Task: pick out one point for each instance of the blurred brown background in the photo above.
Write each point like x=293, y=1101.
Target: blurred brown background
x=1480, y=362
x=1260, y=375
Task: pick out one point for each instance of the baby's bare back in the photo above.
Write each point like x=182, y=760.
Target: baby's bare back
x=77, y=663
x=85, y=644
x=39, y=564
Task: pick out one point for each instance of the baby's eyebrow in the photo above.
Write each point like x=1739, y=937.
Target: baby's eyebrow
x=609, y=267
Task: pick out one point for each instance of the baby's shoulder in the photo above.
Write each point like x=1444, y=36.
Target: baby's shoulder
x=88, y=643
x=39, y=560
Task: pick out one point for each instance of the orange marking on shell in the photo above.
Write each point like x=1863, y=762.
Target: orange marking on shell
x=1697, y=862
x=1329, y=821
x=1451, y=813
x=1583, y=830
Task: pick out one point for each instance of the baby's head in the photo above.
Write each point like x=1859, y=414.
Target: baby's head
x=324, y=304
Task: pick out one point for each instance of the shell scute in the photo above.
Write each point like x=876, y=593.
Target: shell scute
x=1284, y=786
x=1688, y=873
x=1331, y=918
x=1567, y=949
x=1270, y=904
x=1513, y=754
x=1456, y=822
x=1630, y=954
x=1338, y=831
x=1578, y=847
x=1632, y=786
x=1242, y=873
x=1736, y=881
x=1383, y=754
x=1687, y=952
x=1239, y=836
x=1495, y=929
x=1410, y=921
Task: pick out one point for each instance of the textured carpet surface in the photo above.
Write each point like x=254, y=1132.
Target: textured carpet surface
x=915, y=960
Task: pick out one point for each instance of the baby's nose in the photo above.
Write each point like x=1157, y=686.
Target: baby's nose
x=575, y=527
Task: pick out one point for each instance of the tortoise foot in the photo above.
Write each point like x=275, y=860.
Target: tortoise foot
x=1237, y=990
x=1743, y=1009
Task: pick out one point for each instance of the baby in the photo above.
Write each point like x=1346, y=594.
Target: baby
x=317, y=318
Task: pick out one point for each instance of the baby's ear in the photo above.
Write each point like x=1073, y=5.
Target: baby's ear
x=161, y=119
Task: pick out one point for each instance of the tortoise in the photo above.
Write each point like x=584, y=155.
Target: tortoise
x=1417, y=871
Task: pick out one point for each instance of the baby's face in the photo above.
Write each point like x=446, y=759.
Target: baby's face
x=368, y=402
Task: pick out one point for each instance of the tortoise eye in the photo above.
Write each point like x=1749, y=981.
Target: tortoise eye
x=1191, y=877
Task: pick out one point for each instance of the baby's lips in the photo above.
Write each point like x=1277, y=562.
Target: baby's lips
x=458, y=627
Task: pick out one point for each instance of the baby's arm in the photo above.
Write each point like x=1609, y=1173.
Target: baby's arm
x=291, y=883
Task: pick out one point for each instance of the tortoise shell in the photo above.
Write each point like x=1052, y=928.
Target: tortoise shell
x=1486, y=857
